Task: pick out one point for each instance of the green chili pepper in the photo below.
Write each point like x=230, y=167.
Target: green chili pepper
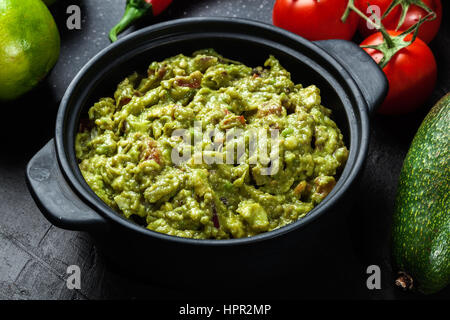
x=135, y=10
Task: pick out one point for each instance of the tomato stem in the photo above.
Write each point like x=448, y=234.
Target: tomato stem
x=391, y=44
x=352, y=7
x=405, y=4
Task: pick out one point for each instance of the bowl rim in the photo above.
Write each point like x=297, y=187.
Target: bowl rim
x=107, y=213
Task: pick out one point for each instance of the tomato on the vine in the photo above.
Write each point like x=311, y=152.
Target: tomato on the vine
x=413, y=14
x=315, y=19
x=411, y=73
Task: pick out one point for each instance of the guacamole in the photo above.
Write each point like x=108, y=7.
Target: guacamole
x=127, y=142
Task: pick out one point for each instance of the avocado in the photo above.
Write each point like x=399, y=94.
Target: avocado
x=421, y=221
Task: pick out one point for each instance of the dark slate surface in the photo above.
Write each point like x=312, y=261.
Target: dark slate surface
x=34, y=255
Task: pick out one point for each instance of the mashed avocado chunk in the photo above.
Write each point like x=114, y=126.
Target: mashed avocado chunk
x=126, y=146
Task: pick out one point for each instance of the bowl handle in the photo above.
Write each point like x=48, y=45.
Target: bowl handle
x=57, y=201
x=368, y=75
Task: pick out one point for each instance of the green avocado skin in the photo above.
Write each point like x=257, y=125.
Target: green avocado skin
x=421, y=222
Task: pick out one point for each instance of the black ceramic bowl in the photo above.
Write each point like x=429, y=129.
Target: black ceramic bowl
x=351, y=85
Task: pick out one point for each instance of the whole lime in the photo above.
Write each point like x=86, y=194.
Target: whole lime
x=29, y=46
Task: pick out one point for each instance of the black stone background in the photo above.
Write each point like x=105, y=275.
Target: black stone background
x=34, y=255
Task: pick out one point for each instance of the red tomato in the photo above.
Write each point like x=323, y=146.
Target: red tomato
x=412, y=74
x=315, y=19
x=427, y=31
x=159, y=6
